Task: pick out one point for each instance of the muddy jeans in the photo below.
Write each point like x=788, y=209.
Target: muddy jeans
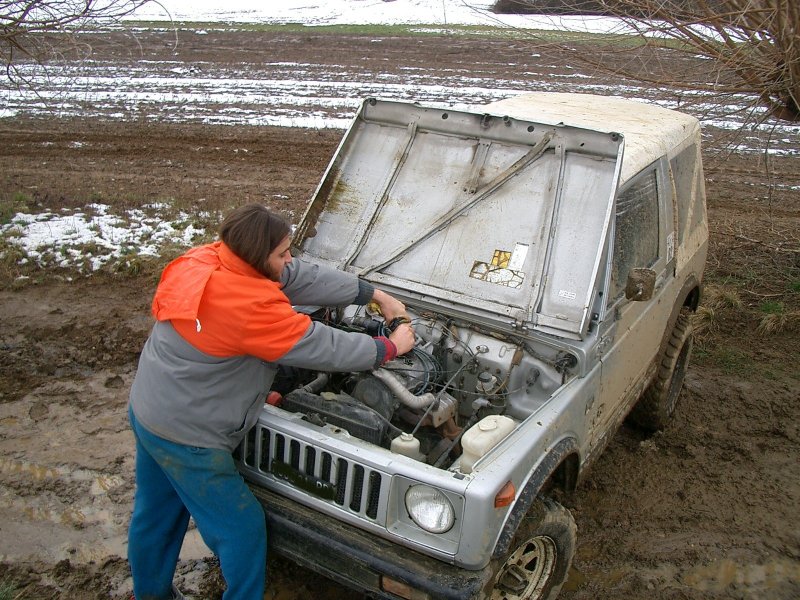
x=174, y=481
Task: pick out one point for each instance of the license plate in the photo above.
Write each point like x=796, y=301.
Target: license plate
x=313, y=485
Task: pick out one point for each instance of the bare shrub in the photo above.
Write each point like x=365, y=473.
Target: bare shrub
x=43, y=30
x=751, y=47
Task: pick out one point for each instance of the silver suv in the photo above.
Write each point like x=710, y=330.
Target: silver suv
x=550, y=249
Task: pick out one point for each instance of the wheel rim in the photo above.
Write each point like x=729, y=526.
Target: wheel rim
x=527, y=570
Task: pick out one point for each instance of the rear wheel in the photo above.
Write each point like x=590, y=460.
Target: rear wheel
x=540, y=556
x=657, y=404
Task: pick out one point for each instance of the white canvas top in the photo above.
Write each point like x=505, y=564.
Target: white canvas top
x=650, y=131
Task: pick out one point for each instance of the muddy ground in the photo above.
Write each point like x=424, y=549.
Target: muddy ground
x=708, y=508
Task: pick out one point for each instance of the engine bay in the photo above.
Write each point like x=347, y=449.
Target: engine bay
x=420, y=404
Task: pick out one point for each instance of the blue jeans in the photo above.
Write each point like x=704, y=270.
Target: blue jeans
x=174, y=481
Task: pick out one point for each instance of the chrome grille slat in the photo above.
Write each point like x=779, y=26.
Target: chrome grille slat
x=358, y=488
x=374, y=494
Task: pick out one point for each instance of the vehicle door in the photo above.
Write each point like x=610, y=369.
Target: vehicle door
x=630, y=331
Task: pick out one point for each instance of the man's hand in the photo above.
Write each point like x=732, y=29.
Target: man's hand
x=403, y=338
x=390, y=306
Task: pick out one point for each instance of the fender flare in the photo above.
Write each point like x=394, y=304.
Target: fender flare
x=537, y=479
x=688, y=297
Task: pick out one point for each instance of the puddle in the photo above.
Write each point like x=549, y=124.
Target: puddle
x=85, y=529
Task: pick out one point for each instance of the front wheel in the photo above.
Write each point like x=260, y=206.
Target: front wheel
x=538, y=562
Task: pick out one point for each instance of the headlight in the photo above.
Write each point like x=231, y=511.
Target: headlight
x=429, y=508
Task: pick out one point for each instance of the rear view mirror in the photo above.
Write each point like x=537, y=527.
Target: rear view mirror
x=640, y=284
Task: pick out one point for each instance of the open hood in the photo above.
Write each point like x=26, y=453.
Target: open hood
x=502, y=219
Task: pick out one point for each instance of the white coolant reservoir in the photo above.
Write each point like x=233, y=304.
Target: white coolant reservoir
x=482, y=437
x=407, y=445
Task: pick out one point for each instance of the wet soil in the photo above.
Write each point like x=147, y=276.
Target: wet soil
x=709, y=508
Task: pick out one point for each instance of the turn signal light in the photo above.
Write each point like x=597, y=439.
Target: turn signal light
x=505, y=496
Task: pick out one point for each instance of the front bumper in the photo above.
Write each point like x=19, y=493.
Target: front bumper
x=358, y=559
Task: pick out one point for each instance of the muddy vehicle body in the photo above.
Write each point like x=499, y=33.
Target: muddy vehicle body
x=550, y=249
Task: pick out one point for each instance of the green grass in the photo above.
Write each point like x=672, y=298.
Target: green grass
x=748, y=277
x=18, y=202
x=732, y=361
x=96, y=198
x=406, y=30
x=8, y=591
x=771, y=307
x=19, y=270
x=128, y=266
x=10, y=254
x=729, y=323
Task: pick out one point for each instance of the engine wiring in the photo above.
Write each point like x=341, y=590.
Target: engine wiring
x=442, y=364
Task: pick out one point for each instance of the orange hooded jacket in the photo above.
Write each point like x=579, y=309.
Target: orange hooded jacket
x=224, y=307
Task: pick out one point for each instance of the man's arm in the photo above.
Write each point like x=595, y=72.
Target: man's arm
x=309, y=284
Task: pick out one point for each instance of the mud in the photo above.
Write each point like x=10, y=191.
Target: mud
x=709, y=508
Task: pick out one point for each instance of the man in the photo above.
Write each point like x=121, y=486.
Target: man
x=224, y=321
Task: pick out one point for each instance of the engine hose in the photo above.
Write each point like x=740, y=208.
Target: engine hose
x=402, y=393
x=315, y=386
x=443, y=456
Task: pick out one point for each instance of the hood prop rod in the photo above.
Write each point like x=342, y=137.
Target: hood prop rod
x=532, y=155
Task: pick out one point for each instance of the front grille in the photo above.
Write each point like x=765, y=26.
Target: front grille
x=356, y=488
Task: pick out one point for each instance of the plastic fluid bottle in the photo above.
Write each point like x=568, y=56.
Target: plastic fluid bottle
x=407, y=445
x=482, y=437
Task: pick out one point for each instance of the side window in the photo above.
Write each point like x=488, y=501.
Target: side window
x=698, y=212
x=636, y=230
x=683, y=173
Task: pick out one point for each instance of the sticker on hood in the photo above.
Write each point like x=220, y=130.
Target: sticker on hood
x=504, y=269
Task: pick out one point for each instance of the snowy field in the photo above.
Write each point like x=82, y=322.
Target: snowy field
x=364, y=12
x=322, y=96
x=309, y=96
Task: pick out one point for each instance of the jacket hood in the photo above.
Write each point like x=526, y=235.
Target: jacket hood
x=184, y=280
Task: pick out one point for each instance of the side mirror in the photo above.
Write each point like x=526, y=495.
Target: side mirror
x=640, y=284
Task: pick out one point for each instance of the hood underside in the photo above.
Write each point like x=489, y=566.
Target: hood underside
x=504, y=219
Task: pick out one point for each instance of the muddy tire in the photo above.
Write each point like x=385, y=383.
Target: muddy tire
x=655, y=407
x=538, y=561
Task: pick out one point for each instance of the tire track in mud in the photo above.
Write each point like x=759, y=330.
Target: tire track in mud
x=66, y=482
x=69, y=502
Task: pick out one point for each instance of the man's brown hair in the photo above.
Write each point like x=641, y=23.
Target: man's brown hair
x=252, y=232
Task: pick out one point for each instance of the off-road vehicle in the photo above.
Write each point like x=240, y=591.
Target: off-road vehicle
x=550, y=249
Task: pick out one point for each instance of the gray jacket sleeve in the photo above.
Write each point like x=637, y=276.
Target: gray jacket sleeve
x=310, y=284
x=329, y=349
x=326, y=348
